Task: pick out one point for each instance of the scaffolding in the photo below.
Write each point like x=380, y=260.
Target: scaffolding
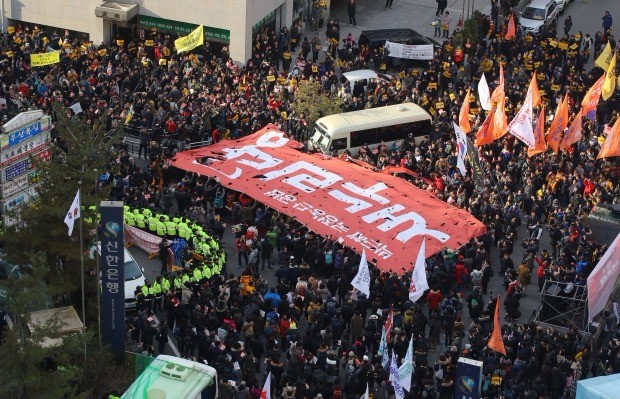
x=562, y=306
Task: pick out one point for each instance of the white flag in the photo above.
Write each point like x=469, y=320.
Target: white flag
x=383, y=349
x=74, y=212
x=398, y=388
x=266, y=392
x=461, y=147
x=484, y=94
x=405, y=371
x=522, y=126
x=367, y=394
x=362, y=278
x=77, y=108
x=418, y=277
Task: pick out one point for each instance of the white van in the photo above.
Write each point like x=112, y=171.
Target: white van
x=134, y=276
x=352, y=130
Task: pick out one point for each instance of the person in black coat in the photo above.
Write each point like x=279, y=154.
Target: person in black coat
x=351, y=12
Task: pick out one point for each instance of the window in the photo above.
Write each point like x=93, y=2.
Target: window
x=339, y=144
x=361, y=137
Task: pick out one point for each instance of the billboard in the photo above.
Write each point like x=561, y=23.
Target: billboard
x=22, y=197
x=112, y=280
x=14, y=153
x=468, y=379
x=18, y=168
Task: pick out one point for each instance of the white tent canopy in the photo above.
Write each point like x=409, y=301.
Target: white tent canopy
x=606, y=387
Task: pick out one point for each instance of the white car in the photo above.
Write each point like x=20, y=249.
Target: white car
x=134, y=276
x=538, y=15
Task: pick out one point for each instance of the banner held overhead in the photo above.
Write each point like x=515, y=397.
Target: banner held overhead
x=363, y=209
x=602, y=280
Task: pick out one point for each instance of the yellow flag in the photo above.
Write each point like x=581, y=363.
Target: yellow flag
x=194, y=39
x=610, y=80
x=42, y=59
x=604, y=59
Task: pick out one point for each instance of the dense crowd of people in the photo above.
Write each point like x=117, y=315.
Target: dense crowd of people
x=317, y=336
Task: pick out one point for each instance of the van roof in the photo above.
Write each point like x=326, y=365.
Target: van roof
x=373, y=117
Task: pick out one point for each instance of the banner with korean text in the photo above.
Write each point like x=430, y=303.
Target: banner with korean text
x=408, y=51
x=112, y=275
x=143, y=240
x=42, y=59
x=361, y=208
x=602, y=280
x=194, y=39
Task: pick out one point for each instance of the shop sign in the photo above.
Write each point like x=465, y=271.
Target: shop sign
x=183, y=28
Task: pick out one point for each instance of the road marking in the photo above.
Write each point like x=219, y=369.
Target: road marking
x=174, y=348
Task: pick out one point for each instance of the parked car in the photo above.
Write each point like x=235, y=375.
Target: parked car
x=134, y=276
x=538, y=15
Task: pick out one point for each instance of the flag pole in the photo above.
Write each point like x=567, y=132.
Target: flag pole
x=97, y=273
x=82, y=263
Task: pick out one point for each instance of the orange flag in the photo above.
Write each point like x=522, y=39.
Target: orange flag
x=464, y=115
x=556, y=130
x=499, y=92
x=512, y=28
x=590, y=100
x=485, y=131
x=539, y=135
x=574, y=132
x=496, y=342
x=611, y=146
x=535, y=92
x=500, y=120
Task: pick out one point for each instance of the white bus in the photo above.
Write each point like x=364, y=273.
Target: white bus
x=174, y=377
x=352, y=130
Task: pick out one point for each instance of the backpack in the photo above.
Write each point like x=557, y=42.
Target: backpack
x=331, y=308
x=329, y=259
x=474, y=302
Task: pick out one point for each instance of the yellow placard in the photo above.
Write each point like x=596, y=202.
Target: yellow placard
x=574, y=46
x=553, y=43
x=555, y=87
x=315, y=68
x=9, y=54
x=451, y=95
x=563, y=46
x=102, y=51
x=432, y=85
x=271, y=78
x=149, y=43
x=42, y=59
x=120, y=43
x=162, y=61
x=66, y=45
x=439, y=105
x=194, y=39
x=10, y=30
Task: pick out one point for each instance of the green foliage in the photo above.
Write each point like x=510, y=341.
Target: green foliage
x=30, y=369
x=314, y=103
x=472, y=29
x=81, y=149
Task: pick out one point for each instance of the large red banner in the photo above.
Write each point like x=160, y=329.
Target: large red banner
x=362, y=209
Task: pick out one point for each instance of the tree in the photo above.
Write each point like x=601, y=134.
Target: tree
x=81, y=151
x=29, y=368
x=314, y=102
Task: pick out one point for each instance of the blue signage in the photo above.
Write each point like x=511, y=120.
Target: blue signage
x=18, y=168
x=112, y=275
x=468, y=379
x=25, y=133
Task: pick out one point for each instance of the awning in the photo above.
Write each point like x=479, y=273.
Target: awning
x=360, y=208
x=116, y=11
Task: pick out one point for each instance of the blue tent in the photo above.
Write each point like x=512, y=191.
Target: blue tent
x=606, y=387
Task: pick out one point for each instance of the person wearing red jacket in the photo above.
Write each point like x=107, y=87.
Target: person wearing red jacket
x=433, y=298
x=460, y=272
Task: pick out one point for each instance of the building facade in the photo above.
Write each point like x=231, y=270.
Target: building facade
x=226, y=22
